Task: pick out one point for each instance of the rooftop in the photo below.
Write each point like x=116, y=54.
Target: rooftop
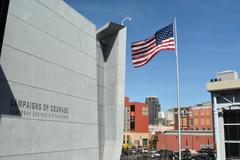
x=223, y=85
x=226, y=80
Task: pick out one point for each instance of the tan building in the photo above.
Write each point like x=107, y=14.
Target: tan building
x=225, y=94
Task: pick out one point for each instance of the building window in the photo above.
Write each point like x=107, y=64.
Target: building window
x=222, y=98
x=208, y=122
x=231, y=116
x=232, y=132
x=132, y=108
x=132, y=123
x=232, y=150
x=195, y=121
x=144, y=111
x=195, y=113
x=207, y=112
x=202, y=121
x=190, y=122
x=190, y=114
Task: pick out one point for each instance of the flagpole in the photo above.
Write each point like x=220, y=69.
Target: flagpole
x=178, y=95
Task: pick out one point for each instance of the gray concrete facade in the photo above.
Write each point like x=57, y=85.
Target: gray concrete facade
x=61, y=84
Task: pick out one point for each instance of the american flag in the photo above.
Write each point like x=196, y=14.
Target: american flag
x=143, y=51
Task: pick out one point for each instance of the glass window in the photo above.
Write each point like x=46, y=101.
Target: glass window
x=208, y=112
x=225, y=98
x=144, y=111
x=195, y=121
x=190, y=122
x=203, y=121
x=132, y=108
x=237, y=96
x=232, y=132
x=231, y=116
x=208, y=121
x=195, y=113
x=190, y=113
x=232, y=150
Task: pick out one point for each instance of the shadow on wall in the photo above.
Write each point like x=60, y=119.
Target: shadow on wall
x=8, y=103
x=107, y=45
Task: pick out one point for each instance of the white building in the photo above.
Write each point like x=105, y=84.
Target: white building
x=61, y=84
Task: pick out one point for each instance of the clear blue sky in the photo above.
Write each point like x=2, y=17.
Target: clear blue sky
x=208, y=42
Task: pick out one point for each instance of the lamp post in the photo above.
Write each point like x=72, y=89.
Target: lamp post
x=126, y=18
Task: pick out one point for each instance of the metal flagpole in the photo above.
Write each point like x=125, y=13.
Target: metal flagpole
x=178, y=93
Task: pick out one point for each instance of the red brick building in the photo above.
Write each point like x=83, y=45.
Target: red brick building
x=200, y=118
x=184, y=123
x=193, y=140
x=195, y=118
x=197, y=129
x=135, y=123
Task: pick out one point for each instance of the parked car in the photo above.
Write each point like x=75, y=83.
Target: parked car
x=154, y=154
x=144, y=150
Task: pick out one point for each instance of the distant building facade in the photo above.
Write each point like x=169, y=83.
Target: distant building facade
x=198, y=117
x=184, y=119
x=225, y=94
x=154, y=108
x=166, y=118
x=135, y=123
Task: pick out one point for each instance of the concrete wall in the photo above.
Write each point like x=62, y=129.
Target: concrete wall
x=111, y=80
x=51, y=83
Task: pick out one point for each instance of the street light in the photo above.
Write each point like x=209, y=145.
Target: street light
x=126, y=18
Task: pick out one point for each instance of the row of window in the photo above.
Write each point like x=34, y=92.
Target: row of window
x=196, y=129
x=226, y=97
x=203, y=121
x=132, y=108
x=200, y=113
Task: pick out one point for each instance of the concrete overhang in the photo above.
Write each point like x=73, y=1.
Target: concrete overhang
x=108, y=30
x=223, y=85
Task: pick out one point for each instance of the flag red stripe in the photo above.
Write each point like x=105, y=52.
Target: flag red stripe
x=140, y=43
x=166, y=41
x=144, y=47
x=147, y=56
x=147, y=60
x=143, y=51
x=150, y=50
